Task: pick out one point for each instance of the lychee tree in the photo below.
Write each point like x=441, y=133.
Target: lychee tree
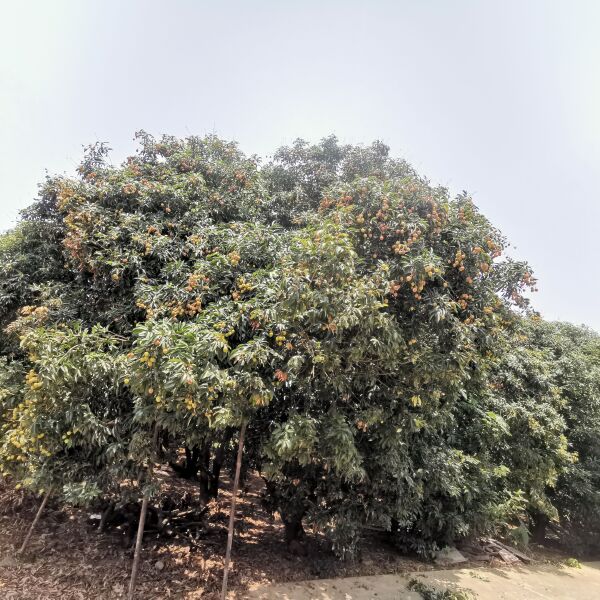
x=363, y=323
x=66, y=427
x=393, y=393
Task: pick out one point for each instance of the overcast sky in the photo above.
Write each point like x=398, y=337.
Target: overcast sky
x=499, y=98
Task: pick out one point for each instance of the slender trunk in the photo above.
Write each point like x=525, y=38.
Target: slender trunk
x=236, y=483
x=244, y=476
x=205, y=456
x=215, y=472
x=192, y=462
x=293, y=529
x=138, y=547
x=188, y=461
x=202, y=463
x=141, y=524
x=106, y=515
x=189, y=468
x=538, y=527
x=163, y=444
x=35, y=520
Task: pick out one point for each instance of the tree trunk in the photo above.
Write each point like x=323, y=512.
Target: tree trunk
x=163, y=444
x=202, y=465
x=192, y=461
x=291, y=509
x=194, y=466
x=35, y=520
x=294, y=531
x=539, y=523
x=244, y=476
x=236, y=483
x=218, y=459
x=106, y=515
x=138, y=547
x=141, y=524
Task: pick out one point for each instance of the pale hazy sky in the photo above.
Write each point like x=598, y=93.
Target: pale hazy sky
x=501, y=98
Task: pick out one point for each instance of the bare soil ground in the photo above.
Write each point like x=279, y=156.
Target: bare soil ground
x=68, y=559
x=540, y=582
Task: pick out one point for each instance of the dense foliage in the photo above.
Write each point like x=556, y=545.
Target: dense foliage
x=366, y=326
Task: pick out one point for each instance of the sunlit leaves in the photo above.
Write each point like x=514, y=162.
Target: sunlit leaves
x=364, y=323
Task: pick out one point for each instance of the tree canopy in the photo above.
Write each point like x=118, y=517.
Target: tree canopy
x=368, y=327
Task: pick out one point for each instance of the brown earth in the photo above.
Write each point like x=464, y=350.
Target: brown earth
x=539, y=582
x=68, y=559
